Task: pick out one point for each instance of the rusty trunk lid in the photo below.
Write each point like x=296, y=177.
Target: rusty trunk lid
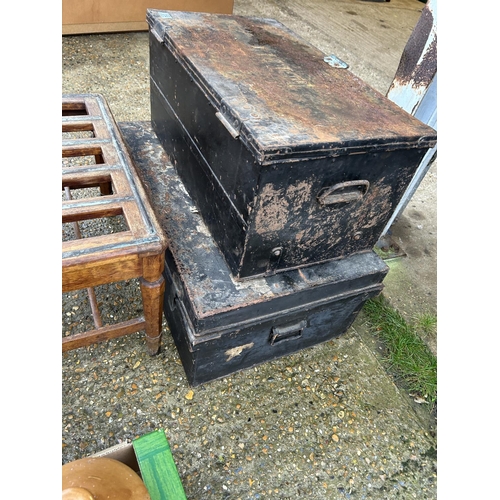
x=278, y=94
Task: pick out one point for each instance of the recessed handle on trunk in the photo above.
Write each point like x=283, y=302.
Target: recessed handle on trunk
x=344, y=192
x=281, y=333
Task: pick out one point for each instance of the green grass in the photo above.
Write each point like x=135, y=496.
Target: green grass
x=427, y=323
x=383, y=254
x=407, y=354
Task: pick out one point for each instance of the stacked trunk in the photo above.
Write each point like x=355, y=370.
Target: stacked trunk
x=286, y=169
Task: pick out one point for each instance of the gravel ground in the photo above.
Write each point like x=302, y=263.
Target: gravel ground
x=327, y=422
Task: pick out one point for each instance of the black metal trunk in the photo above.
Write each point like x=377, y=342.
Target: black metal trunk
x=226, y=330
x=221, y=325
x=291, y=161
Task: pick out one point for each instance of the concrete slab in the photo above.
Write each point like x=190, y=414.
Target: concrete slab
x=369, y=36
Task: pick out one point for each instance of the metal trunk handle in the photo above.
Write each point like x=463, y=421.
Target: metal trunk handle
x=343, y=192
x=281, y=333
x=232, y=128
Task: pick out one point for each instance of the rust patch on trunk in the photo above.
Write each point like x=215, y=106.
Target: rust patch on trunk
x=271, y=214
x=236, y=351
x=277, y=207
x=299, y=196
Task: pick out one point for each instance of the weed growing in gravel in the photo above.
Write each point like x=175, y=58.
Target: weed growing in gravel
x=407, y=353
x=427, y=323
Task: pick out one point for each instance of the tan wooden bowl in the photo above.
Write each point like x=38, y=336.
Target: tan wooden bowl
x=101, y=478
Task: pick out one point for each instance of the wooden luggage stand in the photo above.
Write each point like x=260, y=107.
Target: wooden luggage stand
x=97, y=260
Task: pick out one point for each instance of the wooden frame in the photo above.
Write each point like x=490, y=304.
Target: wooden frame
x=135, y=253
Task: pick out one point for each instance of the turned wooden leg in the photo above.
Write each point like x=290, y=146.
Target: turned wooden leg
x=152, y=300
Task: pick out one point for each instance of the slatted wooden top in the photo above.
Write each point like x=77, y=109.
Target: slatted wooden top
x=95, y=139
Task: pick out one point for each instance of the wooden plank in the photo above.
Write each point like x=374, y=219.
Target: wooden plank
x=158, y=469
x=78, y=178
x=102, y=334
x=91, y=208
x=89, y=28
x=100, y=16
x=80, y=272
